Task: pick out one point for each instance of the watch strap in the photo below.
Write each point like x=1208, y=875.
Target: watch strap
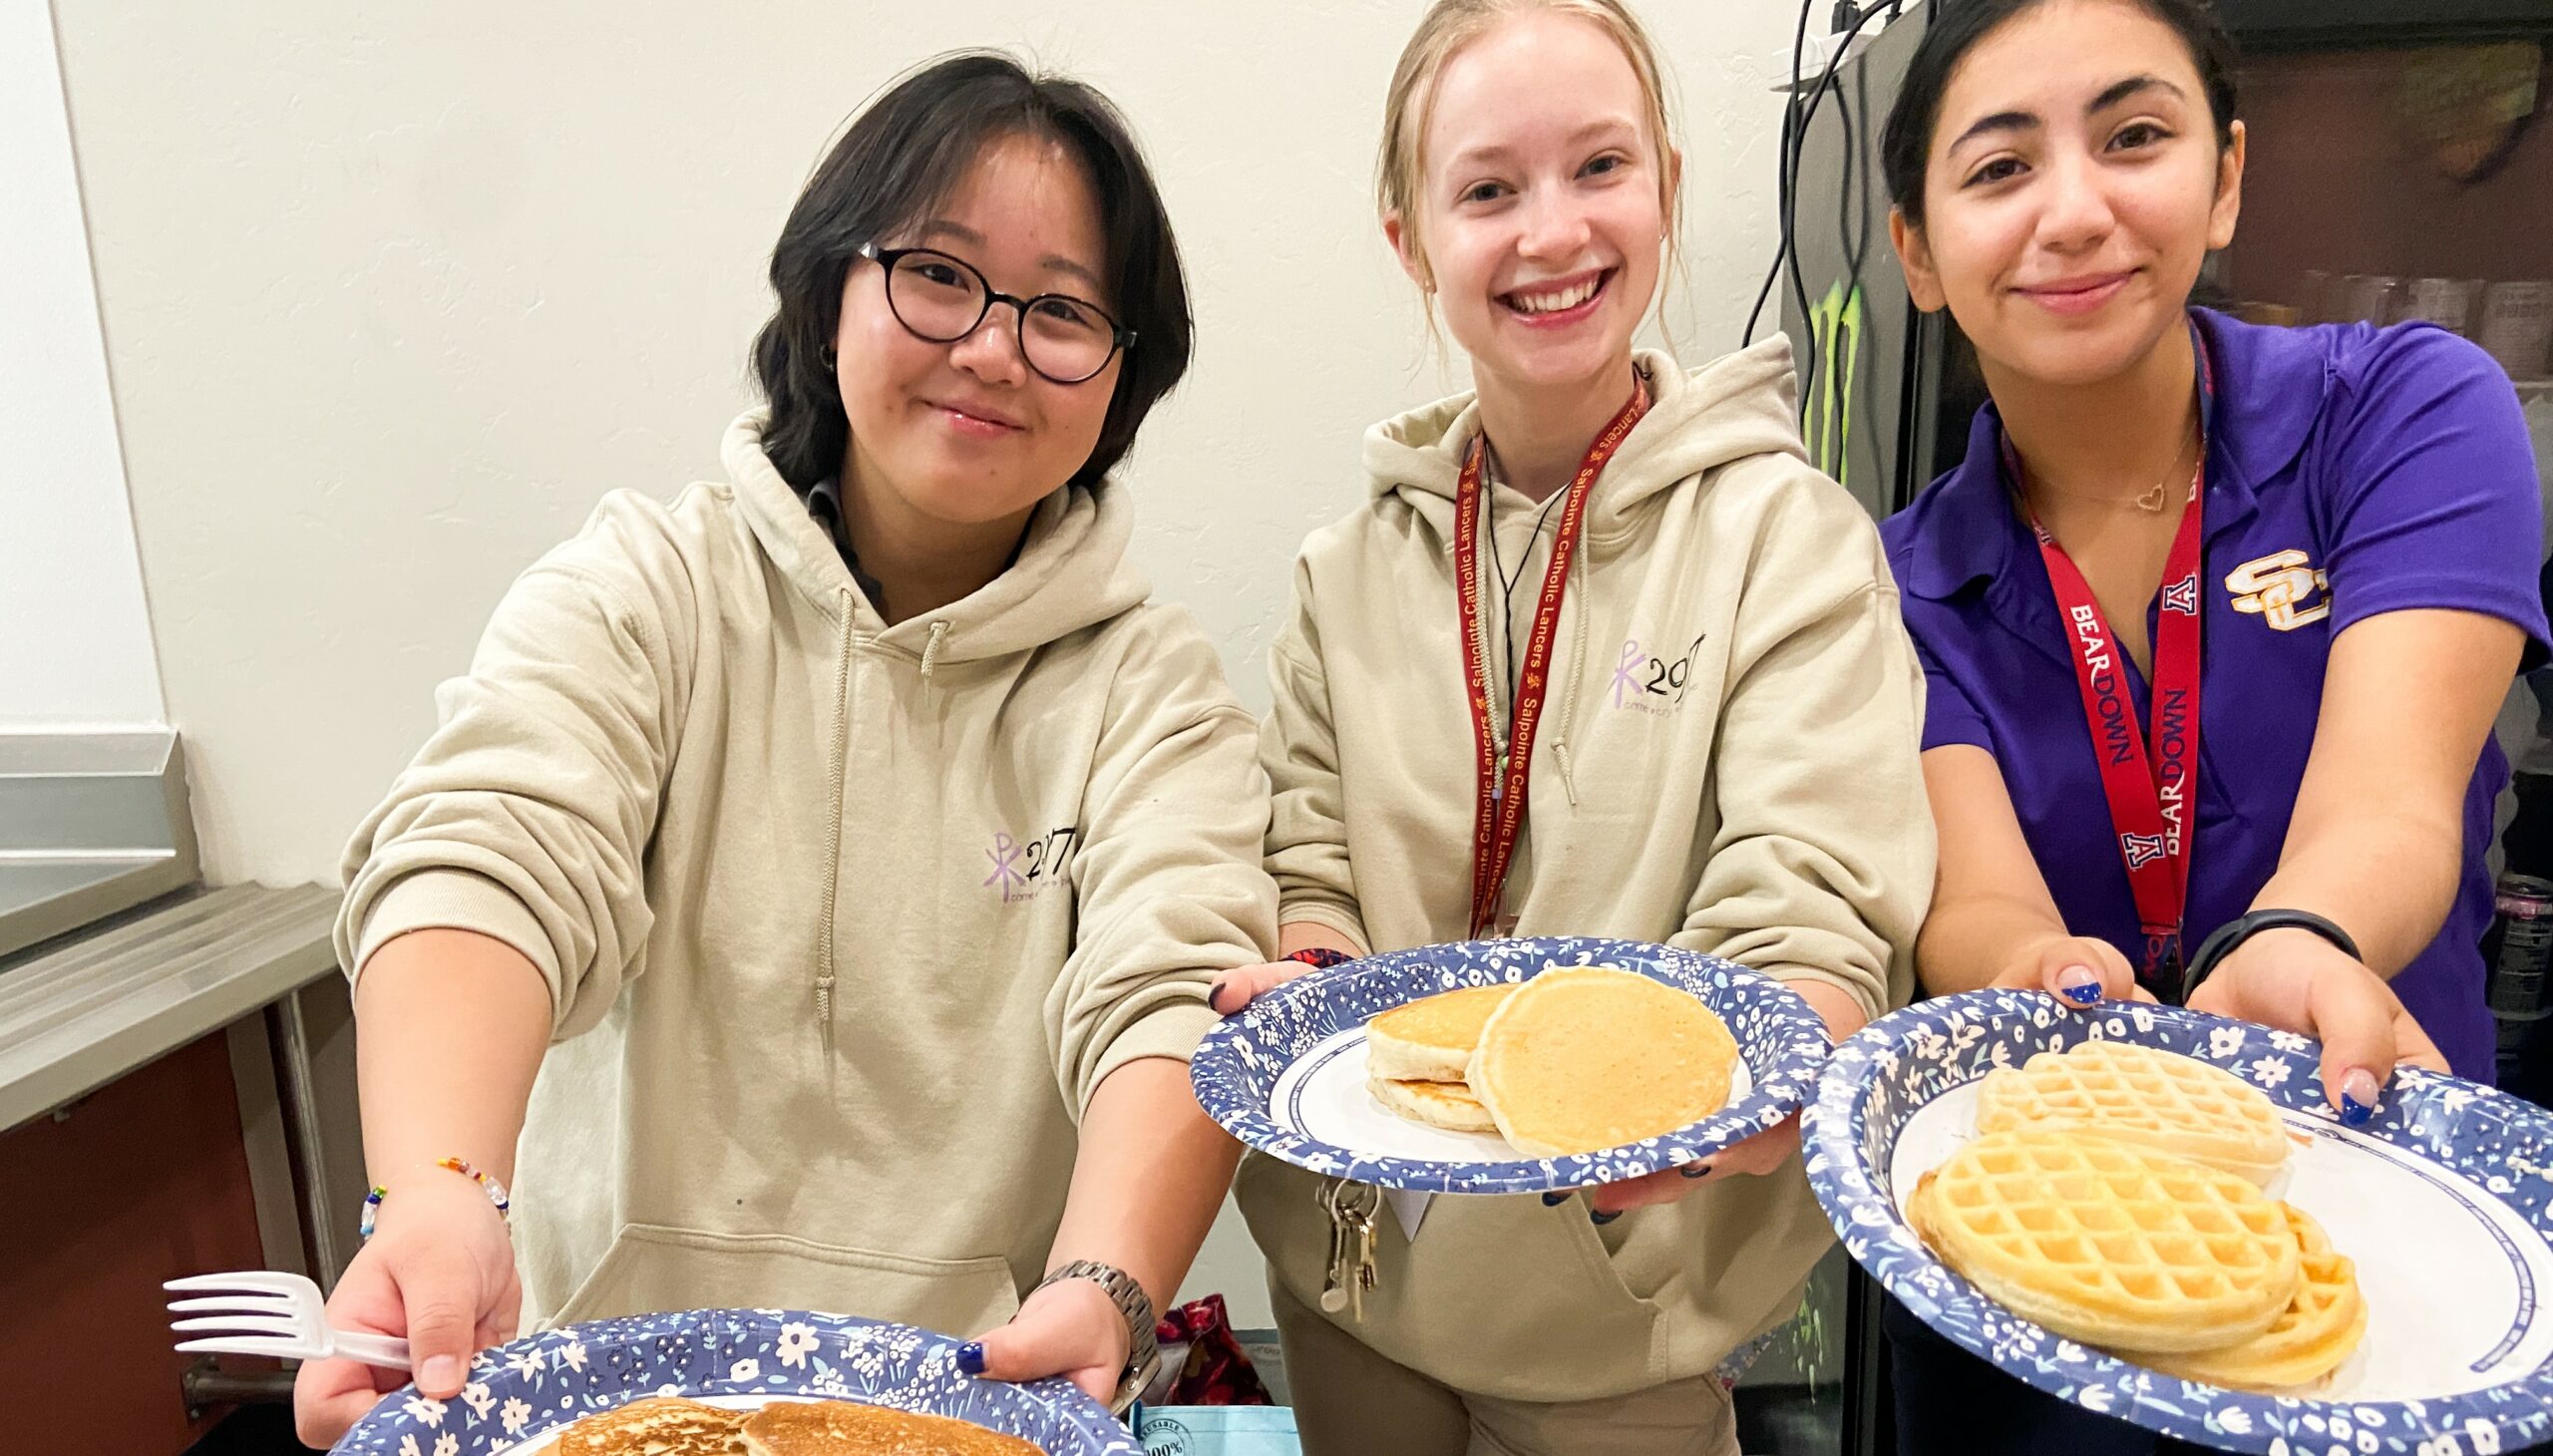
x=1142, y=1346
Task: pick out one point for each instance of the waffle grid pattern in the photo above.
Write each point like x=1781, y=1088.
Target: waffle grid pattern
x=2109, y=1243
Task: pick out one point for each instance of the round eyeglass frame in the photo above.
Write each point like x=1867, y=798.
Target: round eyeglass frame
x=1120, y=337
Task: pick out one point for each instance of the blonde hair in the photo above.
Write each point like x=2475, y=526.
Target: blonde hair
x=1450, y=25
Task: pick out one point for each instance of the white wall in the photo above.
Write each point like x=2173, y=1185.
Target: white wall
x=75, y=635
x=393, y=292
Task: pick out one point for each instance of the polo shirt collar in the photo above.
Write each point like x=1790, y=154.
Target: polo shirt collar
x=2270, y=385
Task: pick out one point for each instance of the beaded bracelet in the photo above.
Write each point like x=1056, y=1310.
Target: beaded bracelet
x=495, y=1192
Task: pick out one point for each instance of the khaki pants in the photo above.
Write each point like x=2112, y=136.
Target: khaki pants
x=1350, y=1402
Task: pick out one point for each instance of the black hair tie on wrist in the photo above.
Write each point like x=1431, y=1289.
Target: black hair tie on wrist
x=2230, y=936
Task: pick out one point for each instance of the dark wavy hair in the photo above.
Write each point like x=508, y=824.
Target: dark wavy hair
x=900, y=159
x=1957, y=26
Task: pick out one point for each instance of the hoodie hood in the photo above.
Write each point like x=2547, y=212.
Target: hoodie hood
x=1741, y=405
x=1071, y=574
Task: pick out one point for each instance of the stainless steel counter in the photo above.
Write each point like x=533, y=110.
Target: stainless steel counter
x=77, y=1013
x=90, y=823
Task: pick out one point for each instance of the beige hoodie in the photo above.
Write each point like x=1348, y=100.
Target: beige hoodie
x=842, y=923
x=1727, y=763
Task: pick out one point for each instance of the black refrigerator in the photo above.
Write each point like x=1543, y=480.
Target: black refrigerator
x=2401, y=167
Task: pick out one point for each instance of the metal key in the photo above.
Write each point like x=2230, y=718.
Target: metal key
x=1339, y=1273
x=1364, y=1263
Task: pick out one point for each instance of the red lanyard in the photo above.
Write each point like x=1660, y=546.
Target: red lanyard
x=1500, y=813
x=2152, y=794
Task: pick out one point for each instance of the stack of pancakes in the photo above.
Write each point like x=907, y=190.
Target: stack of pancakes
x=1576, y=1060
x=2114, y=1197
x=666, y=1426
x=1418, y=1058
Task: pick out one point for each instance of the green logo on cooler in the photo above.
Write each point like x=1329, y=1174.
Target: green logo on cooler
x=1835, y=328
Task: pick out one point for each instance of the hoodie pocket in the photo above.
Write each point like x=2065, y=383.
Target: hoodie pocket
x=1498, y=1296
x=1559, y=1321
x=653, y=1267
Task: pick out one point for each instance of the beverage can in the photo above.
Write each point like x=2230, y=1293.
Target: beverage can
x=2518, y=948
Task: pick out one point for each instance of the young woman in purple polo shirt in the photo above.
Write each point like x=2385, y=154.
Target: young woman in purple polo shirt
x=2215, y=618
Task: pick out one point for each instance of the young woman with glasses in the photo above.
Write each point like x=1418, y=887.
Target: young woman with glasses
x=810, y=895
x=1601, y=618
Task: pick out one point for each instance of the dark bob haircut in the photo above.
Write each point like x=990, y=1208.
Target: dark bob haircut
x=900, y=159
x=1957, y=27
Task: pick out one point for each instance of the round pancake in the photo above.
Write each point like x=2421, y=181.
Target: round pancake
x=840, y=1428
x=1447, y=1105
x=658, y=1426
x=1431, y=1039
x=1584, y=1058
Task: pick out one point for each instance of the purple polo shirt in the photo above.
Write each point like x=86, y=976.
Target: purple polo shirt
x=2353, y=472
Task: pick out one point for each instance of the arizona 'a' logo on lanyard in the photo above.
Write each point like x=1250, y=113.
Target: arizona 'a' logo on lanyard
x=2151, y=782
x=1499, y=814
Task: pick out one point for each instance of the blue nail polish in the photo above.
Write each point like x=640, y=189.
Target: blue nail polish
x=1555, y=1199
x=1696, y=1170
x=971, y=1358
x=2083, y=996
x=1600, y=1220
x=2354, y=1113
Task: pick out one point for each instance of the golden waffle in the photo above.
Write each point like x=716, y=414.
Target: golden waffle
x=1447, y=1105
x=840, y=1428
x=2111, y=1244
x=1431, y=1039
x=1584, y=1058
x=2137, y=1095
x=658, y=1426
x=2317, y=1331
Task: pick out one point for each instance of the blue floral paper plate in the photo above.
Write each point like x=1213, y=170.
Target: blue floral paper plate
x=1287, y=1076
x=520, y=1395
x=2444, y=1201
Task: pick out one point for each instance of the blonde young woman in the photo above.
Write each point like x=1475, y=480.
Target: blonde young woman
x=1725, y=761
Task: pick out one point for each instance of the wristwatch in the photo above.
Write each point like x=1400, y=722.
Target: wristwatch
x=1143, y=1346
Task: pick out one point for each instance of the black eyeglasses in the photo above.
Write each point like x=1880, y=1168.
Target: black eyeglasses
x=944, y=300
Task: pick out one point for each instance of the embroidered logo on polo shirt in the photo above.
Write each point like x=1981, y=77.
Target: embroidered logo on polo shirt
x=2282, y=589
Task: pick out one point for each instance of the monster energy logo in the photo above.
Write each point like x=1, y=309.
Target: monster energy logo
x=1836, y=343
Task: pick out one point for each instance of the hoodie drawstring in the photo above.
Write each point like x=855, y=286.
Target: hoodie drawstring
x=930, y=646
x=1577, y=679
x=1499, y=726
x=839, y=771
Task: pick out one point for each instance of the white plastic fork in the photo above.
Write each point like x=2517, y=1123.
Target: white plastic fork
x=262, y=1313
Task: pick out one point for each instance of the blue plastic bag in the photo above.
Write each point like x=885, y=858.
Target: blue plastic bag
x=1219, y=1430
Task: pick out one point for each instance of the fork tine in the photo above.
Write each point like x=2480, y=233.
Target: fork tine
x=260, y=1282
x=245, y=1345
x=244, y=1305
x=240, y=1325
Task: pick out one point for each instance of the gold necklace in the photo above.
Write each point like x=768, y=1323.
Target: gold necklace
x=2151, y=501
